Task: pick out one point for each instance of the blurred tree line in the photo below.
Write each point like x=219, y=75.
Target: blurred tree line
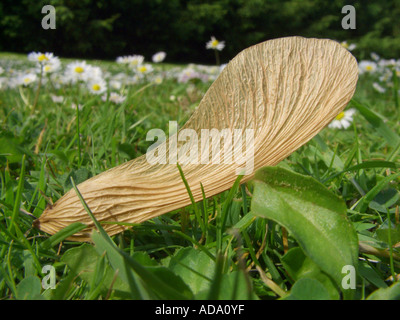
x=110, y=28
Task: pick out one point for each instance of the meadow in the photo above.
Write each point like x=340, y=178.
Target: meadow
x=65, y=120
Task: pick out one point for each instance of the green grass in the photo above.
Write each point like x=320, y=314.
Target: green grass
x=215, y=249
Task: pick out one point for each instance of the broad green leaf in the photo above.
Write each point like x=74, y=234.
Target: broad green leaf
x=29, y=264
x=29, y=288
x=382, y=233
x=373, y=242
x=233, y=286
x=314, y=216
x=11, y=149
x=360, y=226
x=60, y=155
x=194, y=267
x=299, y=266
x=119, y=264
x=63, y=288
x=386, y=199
x=78, y=176
x=144, y=259
x=391, y=293
x=127, y=149
x=308, y=289
x=160, y=280
x=371, y=275
x=104, y=244
x=167, y=284
x=82, y=261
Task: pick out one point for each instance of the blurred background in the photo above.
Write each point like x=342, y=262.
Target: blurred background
x=105, y=29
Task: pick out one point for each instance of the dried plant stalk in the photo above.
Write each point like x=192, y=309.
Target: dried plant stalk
x=286, y=90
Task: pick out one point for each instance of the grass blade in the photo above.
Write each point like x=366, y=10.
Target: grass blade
x=18, y=197
x=62, y=235
x=371, y=194
x=378, y=123
x=365, y=165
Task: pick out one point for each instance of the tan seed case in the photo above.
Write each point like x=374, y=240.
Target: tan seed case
x=286, y=90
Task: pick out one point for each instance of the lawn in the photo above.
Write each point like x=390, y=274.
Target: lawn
x=58, y=129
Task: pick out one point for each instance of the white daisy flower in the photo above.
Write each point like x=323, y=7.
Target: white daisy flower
x=186, y=74
x=144, y=68
x=366, y=66
x=348, y=46
x=133, y=60
x=73, y=106
x=136, y=60
x=378, y=87
x=343, y=120
x=115, y=84
x=114, y=97
x=386, y=76
x=27, y=79
x=374, y=56
x=51, y=65
x=94, y=73
x=117, y=98
x=57, y=99
x=3, y=83
x=59, y=80
x=97, y=86
x=120, y=76
x=215, y=44
x=122, y=60
x=158, y=79
x=159, y=57
x=190, y=73
x=133, y=80
x=213, y=70
x=384, y=63
x=77, y=71
x=40, y=57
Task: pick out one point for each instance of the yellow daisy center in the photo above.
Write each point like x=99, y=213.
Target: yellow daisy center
x=345, y=45
x=43, y=57
x=47, y=68
x=96, y=87
x=26, y=80
x=158, y=80
x=214, y=43
x=78, y=69
x=142, y=69
x=340, y=116
x=368, y=68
